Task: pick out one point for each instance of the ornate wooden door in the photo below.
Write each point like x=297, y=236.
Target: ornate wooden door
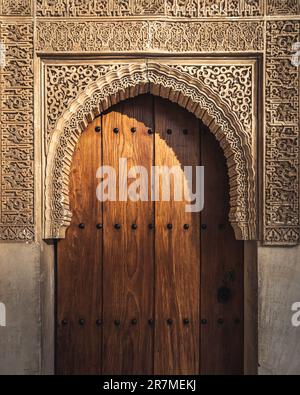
x=143, y=287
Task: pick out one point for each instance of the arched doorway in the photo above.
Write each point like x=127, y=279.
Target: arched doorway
x=145, y=287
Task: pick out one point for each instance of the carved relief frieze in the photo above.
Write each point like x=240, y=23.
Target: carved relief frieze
x=282, y=224
x=167, y=8
x=283, y=7
x=15, y=7
x=16, y=133
x=149, y=36
x=175, y=27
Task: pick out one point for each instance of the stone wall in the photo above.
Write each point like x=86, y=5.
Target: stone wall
x=20, y=340
x=279, y=289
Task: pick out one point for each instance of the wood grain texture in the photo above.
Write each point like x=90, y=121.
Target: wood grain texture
x=135, y=275
x=177, y=251
x=221, y=266
x=128, y=254
x=79, y=271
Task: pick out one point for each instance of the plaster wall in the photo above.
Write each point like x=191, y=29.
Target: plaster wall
x=20, y=340
x=279, y=288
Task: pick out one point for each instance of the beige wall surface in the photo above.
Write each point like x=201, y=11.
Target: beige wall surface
x=279, y=289
x=20, y=340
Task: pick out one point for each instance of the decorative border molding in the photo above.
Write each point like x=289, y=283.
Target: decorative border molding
x=161, y=80
x=282, y=216
x=166, y=8
x=16, y=133
x=233, y=83
x=149, y=36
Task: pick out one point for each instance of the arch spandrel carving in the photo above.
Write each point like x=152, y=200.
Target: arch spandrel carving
x=129, y=81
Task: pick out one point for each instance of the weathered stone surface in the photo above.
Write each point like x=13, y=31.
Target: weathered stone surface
x=20, y=340
x=279, y=279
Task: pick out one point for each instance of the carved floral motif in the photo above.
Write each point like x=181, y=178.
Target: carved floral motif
x=283, y=7
x=64, y=83
x=233, y=83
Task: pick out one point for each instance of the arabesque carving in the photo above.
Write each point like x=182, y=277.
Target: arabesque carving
x=158, y=27
x=16, y=133
x=283, y=7
x=233, y=83
x=170, y=8
x=63, y=83
x=282, y=222
x=132, y=80
x=151, y=36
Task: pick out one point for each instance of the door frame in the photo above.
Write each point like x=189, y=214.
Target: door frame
x=251, y=247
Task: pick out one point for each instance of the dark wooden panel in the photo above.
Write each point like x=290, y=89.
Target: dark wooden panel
x=79, y=271
x=128, y=254
x=177, y=251
x=221, y=266
x=149, y=273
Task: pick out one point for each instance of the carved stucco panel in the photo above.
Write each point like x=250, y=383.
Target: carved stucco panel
x=282, y=222
x=149, y=36
x=233, y=83
x=138, y=8
x=169, y=8
x=16, y=133
x=16, y=7
x=63, y=84
x=283, y=7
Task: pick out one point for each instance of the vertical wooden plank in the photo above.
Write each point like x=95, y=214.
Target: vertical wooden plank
x=79, y=268
x=177, y=251
x=221, y=266
x=128, y=254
